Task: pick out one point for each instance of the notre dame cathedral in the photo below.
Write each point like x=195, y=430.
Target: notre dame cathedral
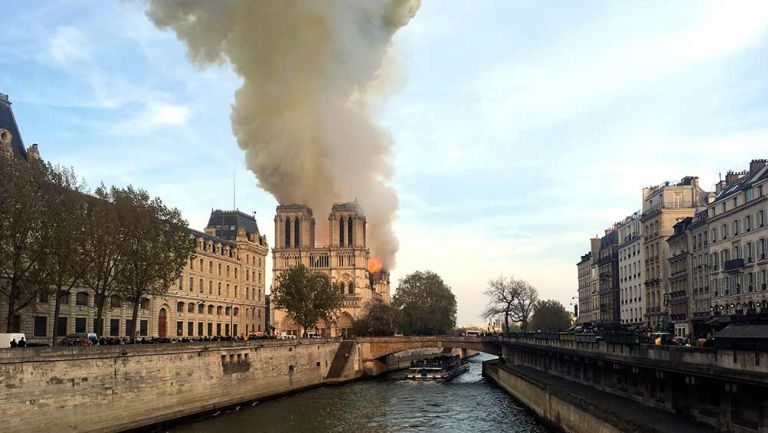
x=345, y=259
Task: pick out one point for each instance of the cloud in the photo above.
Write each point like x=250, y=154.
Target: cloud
x=153, y=115
x=68, y=48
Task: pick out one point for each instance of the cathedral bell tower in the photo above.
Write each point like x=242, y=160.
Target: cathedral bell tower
x=294, y=227
x=347, y=225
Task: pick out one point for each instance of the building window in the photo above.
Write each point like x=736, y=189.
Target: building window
x=201, y=286
x=219, y=269
x=201, y=265
x=210, y=287
x=235, y=291
x=80, y=324
x=218, y=329
x=179, y=329
x=235, y=272
x=43, y=298
x=210, y=309
x=180, y=307
x=226, y=311
x=235, y=311
x=210, y=266
x=190, y=328
x=41, y=326
x=349, y=236
x=296, y=233
x=219, y=309
x=129, y=327
x=191, y=308
x=199, y=329
x=64, y=298
x=200, y=309
x=143, y=326
x=114, y=327
x=227, y=271
x=62, y=326
x=341, y=231
x=219, y=288
x=144, y=304
x=287, y=233
x=181, y=283
x=351, y=288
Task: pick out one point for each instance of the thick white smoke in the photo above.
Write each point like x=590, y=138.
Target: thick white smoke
x=311, y=72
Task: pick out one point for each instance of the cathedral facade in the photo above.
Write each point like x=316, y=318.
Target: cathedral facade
x=344, y=258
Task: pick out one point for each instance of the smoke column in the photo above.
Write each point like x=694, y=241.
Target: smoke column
x=313, y=74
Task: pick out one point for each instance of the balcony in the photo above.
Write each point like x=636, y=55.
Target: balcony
x=733, y=265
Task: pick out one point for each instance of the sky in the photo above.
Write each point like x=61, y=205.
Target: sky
x=521, y=129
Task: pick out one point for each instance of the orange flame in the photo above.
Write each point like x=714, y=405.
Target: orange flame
x=375, y=265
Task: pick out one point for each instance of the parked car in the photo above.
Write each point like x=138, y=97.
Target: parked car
x=79, y=339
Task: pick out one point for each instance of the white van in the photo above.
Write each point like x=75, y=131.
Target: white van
x=5, y=339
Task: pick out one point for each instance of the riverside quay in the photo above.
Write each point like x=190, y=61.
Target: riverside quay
x=571, y=382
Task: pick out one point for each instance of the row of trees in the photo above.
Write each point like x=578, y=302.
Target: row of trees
x=517, y=302
x=56, y=236
x=423, y=304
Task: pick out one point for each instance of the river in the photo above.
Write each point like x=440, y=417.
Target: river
x=468, y=403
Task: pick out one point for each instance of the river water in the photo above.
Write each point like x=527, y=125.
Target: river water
x=468, y=403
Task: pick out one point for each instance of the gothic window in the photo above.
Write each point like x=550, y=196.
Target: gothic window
x=349, y=236
x=296, y=229
x=287, y=232
x=351, y=287
x=341, y=231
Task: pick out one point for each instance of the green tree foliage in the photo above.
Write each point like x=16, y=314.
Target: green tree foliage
x=104, y=251
x=378, y=321
x=550, y=315
x=23, y=244
x=66, y=232
x=424, y=305
x=306, y=296
x=157, y=246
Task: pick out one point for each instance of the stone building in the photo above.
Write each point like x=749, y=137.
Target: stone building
x=700, y=293
x=631, y=270
x=345, y=259
x=220, y=293
x=608, y=276
x=739, y=242
x=680, y=271
x=584, y=268
x=664, y=206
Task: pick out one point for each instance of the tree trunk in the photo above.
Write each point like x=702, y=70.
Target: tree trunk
x=11, y=307
x=506, y=323
x=99, y=304
x=56, y=314
x=134, y=317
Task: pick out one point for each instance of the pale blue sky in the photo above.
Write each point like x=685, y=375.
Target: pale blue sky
x=522, y=128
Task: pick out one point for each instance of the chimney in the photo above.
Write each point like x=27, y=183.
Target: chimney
x=732, y=176
x=756, y=165
x=33, y=153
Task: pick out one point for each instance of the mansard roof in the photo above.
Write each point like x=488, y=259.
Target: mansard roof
x=214, y=239
x=8, y=122
x=744, y=183
x=227, y=223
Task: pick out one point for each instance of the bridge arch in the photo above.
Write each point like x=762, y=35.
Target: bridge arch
x=374, y=349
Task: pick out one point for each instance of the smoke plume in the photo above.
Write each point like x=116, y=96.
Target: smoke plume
x=312, y=74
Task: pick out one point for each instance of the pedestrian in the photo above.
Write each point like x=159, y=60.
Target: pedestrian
x=14, y=343
x=22, y=342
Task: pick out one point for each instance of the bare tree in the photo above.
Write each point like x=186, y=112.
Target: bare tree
x=511, y=299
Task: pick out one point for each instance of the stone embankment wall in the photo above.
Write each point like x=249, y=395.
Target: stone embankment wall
x=114, y=388
x=550, y=408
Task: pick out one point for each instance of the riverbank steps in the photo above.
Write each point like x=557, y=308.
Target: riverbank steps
x=116, y=388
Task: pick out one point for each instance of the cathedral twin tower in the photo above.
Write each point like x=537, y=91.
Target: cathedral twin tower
x=344, y=259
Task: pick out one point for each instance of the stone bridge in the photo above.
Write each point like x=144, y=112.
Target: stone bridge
x=373, y=350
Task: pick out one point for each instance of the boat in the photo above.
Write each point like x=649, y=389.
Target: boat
x=442, y=367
